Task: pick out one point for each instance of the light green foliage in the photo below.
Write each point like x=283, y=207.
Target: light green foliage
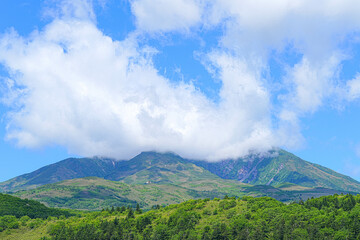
x=331, y=217
x=8, y=222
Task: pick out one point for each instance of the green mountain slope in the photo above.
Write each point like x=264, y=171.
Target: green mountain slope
x=280, y=167
x=66, y=169
x=143, y=161
x=167, y=168
x=271, y=169
x=94, y=193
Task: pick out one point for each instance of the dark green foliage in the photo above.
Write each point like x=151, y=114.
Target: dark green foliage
x=138, y=209
x=220, y=232
x=123, y=209
x=18, y=207
x=183, y=220
x=346, y=202
x=130, y=213
x=143, y=221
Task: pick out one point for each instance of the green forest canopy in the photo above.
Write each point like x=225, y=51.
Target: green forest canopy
x=330, y=217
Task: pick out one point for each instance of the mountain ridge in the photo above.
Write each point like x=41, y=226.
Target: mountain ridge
x=280, y=168
x=271, y=169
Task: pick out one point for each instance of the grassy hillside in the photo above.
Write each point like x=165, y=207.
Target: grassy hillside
x=96, y=193
x=331, y=217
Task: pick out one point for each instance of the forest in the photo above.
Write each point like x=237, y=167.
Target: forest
x=328, y=217
x=18, y=207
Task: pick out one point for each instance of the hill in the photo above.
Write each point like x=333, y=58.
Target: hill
x=10, y=205
x=330, y=217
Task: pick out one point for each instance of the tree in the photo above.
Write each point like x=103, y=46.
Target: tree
x=138, y=209
x=123, y=209
x=130, y=214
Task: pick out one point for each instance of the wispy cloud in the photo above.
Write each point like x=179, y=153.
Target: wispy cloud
x=164, y=16
x=353, y=89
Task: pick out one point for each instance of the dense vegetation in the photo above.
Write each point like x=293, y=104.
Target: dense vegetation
x=17, y=207
x=330, y=217
x=15, y=212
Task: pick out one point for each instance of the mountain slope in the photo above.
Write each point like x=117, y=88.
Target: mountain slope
x=160, y=179
x=280, y=167
x=143, y=161
x=66, y=169
x=274, y=168
x=166, y=169
x=94, y=193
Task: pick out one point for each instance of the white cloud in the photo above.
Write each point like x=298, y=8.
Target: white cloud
x=252, y=29
x=163, y=15
x=74, y=86
x=97, y=96
x=310, y=84
x=353, y=88
x=70, y=9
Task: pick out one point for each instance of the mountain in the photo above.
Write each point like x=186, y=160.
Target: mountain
x=278, y=167
x=145, y=167
x=66, y=169
x=273, y=168
x=153, y=178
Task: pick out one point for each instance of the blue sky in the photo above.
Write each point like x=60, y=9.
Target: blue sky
x=206, y=79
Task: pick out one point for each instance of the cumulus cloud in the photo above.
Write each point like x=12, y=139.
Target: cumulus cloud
x=97, y=96
x=314, y=31
x=72, y=85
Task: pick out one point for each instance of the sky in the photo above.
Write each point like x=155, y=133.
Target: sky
x=207, y=80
